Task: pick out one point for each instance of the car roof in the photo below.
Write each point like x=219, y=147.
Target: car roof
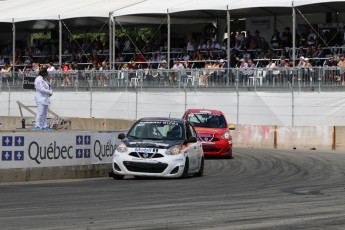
x=212, y=111
x=178, y=120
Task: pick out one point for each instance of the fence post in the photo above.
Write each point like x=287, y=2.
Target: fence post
x=238, y=103
x=292, y=105
x=90, y=99
x=185, y=99
x=136, y=104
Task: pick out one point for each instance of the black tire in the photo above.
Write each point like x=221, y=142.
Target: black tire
x=201, y=169
x=185, y=170
x=118, y=177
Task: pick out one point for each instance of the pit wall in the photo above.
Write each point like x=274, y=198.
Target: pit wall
x=72, y=154
x=290, y=137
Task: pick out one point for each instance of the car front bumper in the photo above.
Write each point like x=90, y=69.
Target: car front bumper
x=166, y=166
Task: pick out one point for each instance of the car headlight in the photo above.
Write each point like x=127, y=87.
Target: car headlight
x=174, y=150
x=226, y=136
x=122, y=147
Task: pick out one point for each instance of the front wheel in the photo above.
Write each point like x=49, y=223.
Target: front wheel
x=201, y=169
x=185, y=170
x=118, y=177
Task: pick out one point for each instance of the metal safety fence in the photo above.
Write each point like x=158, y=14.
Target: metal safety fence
x=185, y=78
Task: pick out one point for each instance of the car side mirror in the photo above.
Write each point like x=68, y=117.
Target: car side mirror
x=232, y=126
x=192, y=140
x=121, y=136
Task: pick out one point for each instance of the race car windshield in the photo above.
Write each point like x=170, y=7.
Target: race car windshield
x=157, y=130
x=207, y=120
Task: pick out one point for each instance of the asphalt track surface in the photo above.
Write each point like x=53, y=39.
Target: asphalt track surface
x=258, y=189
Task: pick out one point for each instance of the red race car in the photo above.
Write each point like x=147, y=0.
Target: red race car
x=213, y=131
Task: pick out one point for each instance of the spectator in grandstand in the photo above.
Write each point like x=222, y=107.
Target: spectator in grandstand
x=238, y=45
x=248, y=39
x=319, y=56
x=2, y=60
x=240, y=38
x=215, y=44
x=251, y=63
x=331, y=61
x=257, y=39
x=275, y=39
x=160, y=57
x=42, y=94
x=341, y=65
x=270, y=71
x=270, y=54
x=132, y=71
x=286, y=39
x=311, y=39
x=243, y=63
x=185, y=72
x=309, y=53
x=51, y=73
x=104, y=76
x=307, y=64
x=301, y=53
x=190, y=46
x=304, y=37
x=65, y=76
x=203, y=79
x=202, y=45
x=209, y=44
x=127, y=45
x=283, y=63
x=176, y=72
x=6, y=68
x=301, y=62
x=186, y=56
x=245, y=54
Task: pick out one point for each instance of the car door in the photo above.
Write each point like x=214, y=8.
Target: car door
x=192, y=149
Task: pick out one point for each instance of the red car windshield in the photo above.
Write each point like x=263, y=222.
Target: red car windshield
x=207, y=120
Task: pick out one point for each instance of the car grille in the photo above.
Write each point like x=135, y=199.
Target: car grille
x=145, y=155
x=145, y=167
x=207, y=137
x=210, y=148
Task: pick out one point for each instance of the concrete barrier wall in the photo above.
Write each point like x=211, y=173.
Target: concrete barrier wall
x=254, y=136
x=97, y=124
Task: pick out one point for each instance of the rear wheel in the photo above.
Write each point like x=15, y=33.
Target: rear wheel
x=185, y=170
x=201, y=169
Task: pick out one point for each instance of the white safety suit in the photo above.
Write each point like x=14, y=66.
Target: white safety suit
x=43, y=92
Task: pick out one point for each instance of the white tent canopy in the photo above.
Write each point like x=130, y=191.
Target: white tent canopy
x=26, y=10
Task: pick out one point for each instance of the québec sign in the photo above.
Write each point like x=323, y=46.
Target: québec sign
x=44, y=149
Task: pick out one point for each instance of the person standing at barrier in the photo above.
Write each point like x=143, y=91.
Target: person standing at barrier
x=42, y=95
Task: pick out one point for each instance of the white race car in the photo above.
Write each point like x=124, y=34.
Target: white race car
x=159, y=147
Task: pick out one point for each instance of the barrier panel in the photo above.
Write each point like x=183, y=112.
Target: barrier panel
x=30, y=155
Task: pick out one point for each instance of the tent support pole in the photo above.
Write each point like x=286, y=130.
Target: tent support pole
x=228, y=39
x=114, y=42
x=293, y=33
x=60, y=43
x=110, y=42
x=168, y=55
x=13, y=48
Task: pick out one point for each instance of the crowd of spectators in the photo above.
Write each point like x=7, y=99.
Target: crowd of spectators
x=314, y=49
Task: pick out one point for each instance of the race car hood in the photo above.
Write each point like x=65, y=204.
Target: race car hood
x=147, y=143
x=210, y=130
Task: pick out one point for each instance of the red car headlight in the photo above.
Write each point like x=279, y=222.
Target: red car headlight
x=226, y=136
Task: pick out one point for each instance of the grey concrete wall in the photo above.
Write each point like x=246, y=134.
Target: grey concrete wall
x=97, y=124
x=52, y=173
